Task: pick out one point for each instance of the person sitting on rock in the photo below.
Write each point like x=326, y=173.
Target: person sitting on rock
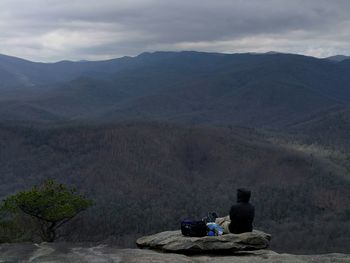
x=242, y=213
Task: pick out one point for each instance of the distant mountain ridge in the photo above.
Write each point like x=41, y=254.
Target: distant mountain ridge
x=338, y=58
x=259, y=90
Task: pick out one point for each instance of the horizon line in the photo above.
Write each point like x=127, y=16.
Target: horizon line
x=169, y=51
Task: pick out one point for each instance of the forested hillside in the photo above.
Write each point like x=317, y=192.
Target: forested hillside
x=330, y=128
x=147, y=177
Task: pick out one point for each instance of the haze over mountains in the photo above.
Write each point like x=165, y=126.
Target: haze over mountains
x=174, y=133
x=259, y=90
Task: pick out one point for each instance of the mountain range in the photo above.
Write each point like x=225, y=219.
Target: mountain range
x=271, y=90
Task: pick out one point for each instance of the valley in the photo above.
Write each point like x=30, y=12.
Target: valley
x=164, y=136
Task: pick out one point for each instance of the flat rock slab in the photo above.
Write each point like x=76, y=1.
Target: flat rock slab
x=84, y=253
x=175, y=242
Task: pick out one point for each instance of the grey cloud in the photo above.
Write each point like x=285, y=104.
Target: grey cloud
x=83, y=29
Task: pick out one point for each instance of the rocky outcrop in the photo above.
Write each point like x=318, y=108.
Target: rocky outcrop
x=63, y=252
x=174, y=241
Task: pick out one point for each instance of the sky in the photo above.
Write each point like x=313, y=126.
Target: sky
x=53, y=30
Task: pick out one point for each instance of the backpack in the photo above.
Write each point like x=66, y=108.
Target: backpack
x=193, y=228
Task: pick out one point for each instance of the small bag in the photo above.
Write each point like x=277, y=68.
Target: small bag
x=214, y=229
x=193, y=228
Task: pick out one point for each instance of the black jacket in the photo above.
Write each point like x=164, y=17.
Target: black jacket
x=242, y=214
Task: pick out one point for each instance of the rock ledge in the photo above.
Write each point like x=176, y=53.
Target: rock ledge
x=70, y=252
x=175, y=242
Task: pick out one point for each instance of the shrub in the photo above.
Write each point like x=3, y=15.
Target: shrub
x=51, y=205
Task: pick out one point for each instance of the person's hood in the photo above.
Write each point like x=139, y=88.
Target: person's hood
x=243, y=195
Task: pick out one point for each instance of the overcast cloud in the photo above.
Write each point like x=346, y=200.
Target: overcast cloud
x=52, y=30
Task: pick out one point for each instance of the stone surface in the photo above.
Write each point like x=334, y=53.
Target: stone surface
x=65, y=253
x=174, y=241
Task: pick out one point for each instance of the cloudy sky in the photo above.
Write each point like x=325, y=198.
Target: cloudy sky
x=52, y=30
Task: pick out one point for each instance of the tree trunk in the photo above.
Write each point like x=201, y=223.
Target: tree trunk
x=48, y=232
